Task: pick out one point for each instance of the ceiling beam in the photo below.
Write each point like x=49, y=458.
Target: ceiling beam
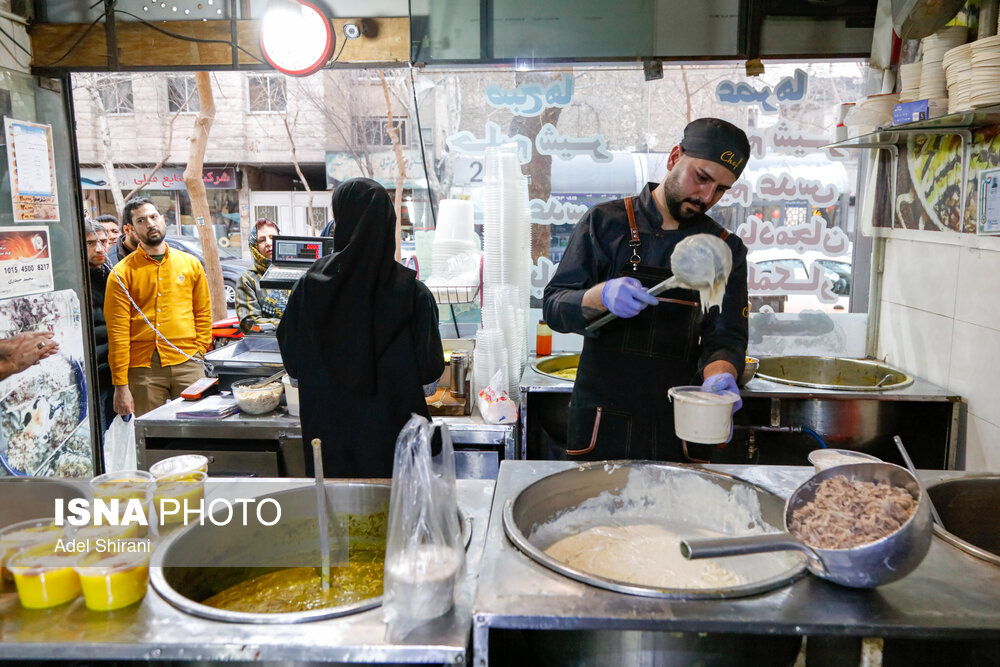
x=66, y=47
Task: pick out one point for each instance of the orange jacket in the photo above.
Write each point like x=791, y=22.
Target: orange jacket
x=173, y=294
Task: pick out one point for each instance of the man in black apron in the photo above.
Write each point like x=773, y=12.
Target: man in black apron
x=619, y=408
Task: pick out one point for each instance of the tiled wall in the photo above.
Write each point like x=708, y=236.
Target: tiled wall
x=940, y=320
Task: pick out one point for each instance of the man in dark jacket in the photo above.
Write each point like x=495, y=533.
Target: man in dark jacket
x=619, y=407
x=126, y=245
x=98, y=268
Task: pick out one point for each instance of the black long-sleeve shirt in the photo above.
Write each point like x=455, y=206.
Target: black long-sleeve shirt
x=598, y=250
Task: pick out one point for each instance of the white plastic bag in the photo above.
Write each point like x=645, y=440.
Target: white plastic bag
x=119, y=445
x=424, y=553
x=495, y=405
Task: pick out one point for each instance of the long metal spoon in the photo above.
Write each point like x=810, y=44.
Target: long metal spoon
x=324, y=536
x=913, y=471
x=267, y=381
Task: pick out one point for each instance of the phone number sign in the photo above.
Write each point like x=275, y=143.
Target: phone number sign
x=25, y=261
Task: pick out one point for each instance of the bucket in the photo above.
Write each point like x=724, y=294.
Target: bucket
x=701, y=416
x=291, y=394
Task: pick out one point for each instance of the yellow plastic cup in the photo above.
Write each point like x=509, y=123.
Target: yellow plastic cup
x=32, y=532
x=115, y=578
x=44, y=576
x=125, y=486
x=187, y=489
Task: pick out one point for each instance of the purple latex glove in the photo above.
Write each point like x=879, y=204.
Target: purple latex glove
x=721, y=382
x=626, y=297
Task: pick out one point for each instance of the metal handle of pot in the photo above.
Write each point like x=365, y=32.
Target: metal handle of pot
x=739, y=546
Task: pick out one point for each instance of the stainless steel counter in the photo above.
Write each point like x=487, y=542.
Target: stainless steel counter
x=930, y=423
x=271, y=444
x=951, y=594
x=154, y=630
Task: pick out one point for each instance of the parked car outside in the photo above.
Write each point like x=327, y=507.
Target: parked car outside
x=233, y=266
x=836, y=269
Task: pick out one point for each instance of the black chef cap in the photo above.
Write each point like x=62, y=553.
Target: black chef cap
x=718, y=141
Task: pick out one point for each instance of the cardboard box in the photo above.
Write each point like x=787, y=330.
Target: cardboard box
x=908, y=112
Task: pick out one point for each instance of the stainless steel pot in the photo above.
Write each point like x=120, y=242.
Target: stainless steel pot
x=552, y=496
x=881, y=562
x=24, y=498
x=230, y=547
x=968, y=509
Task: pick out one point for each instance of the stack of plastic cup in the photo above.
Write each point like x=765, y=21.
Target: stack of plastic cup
x=454, y=234
x=489, y=356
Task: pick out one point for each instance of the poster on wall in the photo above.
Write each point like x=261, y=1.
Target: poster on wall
x=43, y=409
x=32, y=171
x=25, y=261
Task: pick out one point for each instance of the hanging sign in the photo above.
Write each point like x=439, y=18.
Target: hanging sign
x=25, y=261
x=32, y=171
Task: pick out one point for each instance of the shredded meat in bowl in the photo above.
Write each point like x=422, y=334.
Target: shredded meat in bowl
x=849, y=513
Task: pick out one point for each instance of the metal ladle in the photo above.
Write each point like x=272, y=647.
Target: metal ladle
x=697, y=262
x=913, y=471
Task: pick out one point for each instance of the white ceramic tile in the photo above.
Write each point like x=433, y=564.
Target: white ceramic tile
x=977, y=299
x=982, y=446
x=975, y=369
x=921, y=275
x=916, y=341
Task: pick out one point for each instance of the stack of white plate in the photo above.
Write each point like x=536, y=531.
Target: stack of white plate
x=909, y=81
x=932, y=79
x=957, y=65
x=985, y=86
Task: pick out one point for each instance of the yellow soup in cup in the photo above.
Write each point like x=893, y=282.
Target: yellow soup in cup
x=116, y=577
x=44, y=576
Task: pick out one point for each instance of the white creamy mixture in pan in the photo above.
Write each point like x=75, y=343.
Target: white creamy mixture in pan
x=645, y=554
x=633, y=534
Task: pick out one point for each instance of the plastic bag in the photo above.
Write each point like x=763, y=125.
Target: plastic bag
x=424, y=553
x=494, y=404
x=119, y=445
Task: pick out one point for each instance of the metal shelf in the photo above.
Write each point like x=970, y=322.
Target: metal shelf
x=959, y=124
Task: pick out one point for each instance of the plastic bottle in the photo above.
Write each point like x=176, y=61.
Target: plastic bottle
x=543, y=340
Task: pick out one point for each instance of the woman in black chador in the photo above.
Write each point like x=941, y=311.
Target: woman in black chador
x=360, y=334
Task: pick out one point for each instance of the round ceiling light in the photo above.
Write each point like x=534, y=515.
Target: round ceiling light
x=295, y=37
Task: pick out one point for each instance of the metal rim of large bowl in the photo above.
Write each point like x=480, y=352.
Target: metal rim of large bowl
x=815, y=385
x=189, y=606
x=955, y=540
x=519, y=540
x=839, y=387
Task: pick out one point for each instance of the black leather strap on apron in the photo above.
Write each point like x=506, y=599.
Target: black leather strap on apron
x=619, y=407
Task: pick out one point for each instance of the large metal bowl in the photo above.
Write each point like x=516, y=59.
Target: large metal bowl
x=24, y=498
x=552, y=496
x=967, y=507
x=833, y=373
x=231, y=553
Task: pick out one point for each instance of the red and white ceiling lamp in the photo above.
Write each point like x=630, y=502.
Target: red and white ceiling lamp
x=295, y=37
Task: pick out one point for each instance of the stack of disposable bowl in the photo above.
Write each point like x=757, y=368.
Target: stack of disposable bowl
x=932, y=78
x=455, y=254
x=909, y=81
x=507, y=255
x=985, y=78
x=957, y=65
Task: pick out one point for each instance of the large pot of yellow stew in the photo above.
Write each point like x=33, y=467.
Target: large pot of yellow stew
x=256, y=573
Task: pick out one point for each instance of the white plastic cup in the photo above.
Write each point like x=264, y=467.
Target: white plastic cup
x=291, y=395
x=702, y=416
x=455, y=220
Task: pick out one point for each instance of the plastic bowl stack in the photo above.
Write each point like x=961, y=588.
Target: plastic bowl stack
x=932, y=78
x=872, y=112
x=455, y=239
x=985, y=79
x=957, y=65
x=909, y=81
